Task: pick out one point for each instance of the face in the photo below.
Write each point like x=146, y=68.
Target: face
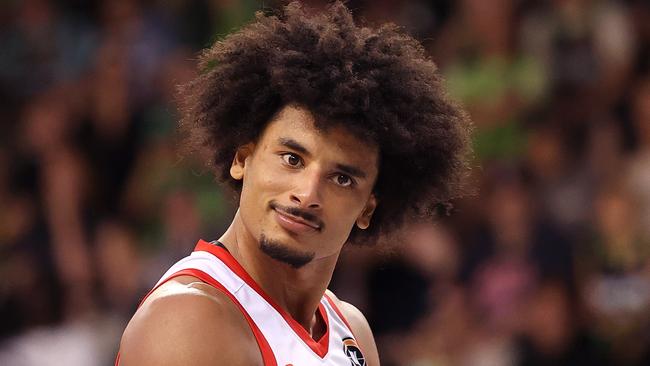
x=304, y=189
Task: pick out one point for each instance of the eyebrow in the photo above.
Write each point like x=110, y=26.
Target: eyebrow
x=295, y=145
x=347, y=169
x=351, y=170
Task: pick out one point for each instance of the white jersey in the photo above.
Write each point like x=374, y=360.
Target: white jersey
x=282, y=341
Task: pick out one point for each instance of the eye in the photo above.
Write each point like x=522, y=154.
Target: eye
x=343, y=180
x=291, y=159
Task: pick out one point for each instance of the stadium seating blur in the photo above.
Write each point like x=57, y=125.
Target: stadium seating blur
x=546, y=263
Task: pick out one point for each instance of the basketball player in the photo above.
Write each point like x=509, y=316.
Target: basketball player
x=332, y=134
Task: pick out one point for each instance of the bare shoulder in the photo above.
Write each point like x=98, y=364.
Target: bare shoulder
x=360, y=328
x=184, y=322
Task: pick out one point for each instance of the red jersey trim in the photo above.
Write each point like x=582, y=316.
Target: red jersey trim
x=319, y=347
x=340, y=314
x=267, y=354
x=268, y=358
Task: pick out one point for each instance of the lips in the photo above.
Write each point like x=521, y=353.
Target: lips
x=295, y=224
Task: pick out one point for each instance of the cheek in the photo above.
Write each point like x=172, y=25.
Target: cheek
x=253, y=203
x=268, y=184
x=262, y=183
x=343, y=216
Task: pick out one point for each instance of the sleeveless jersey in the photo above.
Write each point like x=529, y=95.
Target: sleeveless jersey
x=282, y=341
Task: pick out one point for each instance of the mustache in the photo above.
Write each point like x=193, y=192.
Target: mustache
x=294, y=211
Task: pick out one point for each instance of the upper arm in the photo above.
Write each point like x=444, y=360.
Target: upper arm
x=360, y=328
x=188, y=328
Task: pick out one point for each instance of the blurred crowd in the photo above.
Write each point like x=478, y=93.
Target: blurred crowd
x=546, y=263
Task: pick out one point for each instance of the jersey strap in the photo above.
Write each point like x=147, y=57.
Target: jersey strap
x=320, y=347
x=267, y=354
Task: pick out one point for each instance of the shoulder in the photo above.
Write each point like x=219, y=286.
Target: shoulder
x=360, y=328
x=186, y=321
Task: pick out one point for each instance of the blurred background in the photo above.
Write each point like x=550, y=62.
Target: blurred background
x=547, y=264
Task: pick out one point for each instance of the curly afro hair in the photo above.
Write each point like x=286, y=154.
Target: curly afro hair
x=378, y=83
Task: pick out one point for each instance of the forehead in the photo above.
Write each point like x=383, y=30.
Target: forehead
x=298, y=123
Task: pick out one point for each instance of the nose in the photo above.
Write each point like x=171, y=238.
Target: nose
x=306, y=193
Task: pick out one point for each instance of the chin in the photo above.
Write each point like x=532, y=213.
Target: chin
x=282, y=251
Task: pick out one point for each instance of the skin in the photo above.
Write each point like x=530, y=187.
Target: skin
x=303, y=190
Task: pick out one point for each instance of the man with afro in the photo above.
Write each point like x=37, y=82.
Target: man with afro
x=330, y=133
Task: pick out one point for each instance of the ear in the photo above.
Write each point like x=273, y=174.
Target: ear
x=363, y=221
x=239, y=161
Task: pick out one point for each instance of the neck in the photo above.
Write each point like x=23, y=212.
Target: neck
x=297, y=291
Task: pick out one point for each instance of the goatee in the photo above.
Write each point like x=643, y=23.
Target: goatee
x=284, y=254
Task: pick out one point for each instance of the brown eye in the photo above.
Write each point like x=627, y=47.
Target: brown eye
x=343, y=180
x=291, y=159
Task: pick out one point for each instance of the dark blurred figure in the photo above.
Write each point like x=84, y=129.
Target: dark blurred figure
x=553, y=333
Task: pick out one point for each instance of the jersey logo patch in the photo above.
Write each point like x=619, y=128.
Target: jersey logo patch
x=353, y=352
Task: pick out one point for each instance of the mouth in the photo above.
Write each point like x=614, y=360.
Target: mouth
x=294, y=223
